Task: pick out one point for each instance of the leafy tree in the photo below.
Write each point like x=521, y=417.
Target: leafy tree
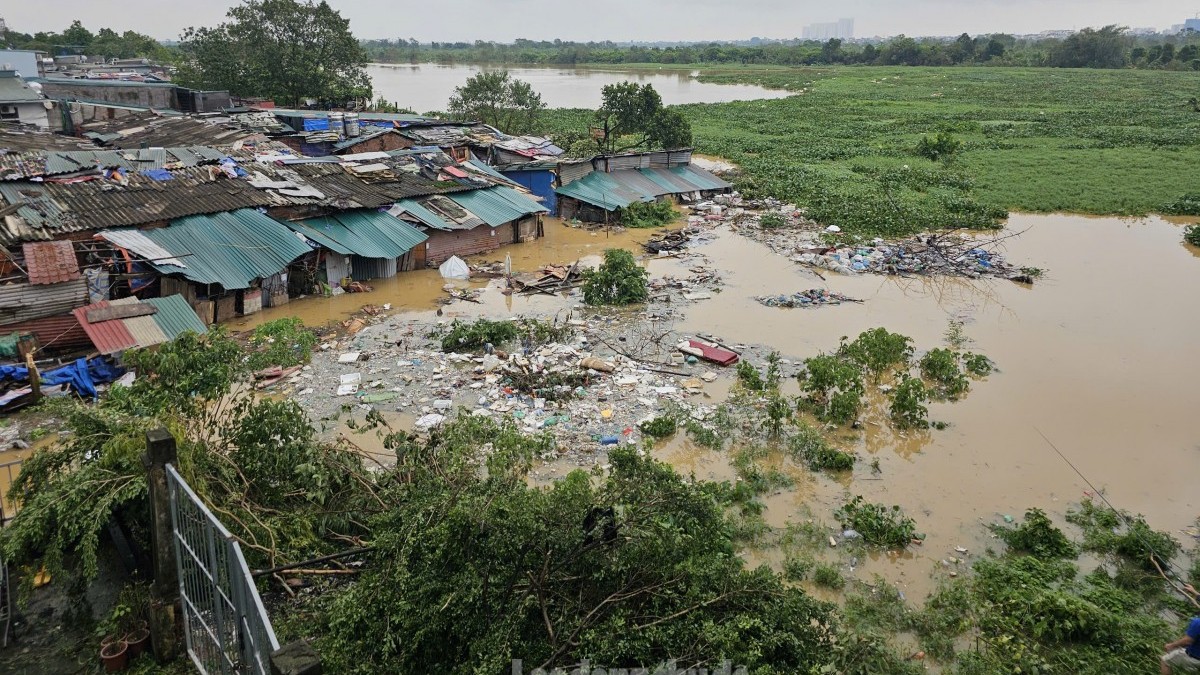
x=633, y=117
x=77, y=36
x=282, y=49
x=619, y=281
x=500, y=100
x=473, y=568
x=1092, y=48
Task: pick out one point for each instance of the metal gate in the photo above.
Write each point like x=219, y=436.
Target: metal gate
x=226, y=626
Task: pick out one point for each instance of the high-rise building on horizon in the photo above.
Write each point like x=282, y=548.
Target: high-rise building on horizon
x=842, y=29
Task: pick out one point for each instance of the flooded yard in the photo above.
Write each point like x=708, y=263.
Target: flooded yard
x=1098, y=355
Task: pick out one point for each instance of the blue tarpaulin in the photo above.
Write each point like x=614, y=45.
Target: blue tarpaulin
x=83, y=375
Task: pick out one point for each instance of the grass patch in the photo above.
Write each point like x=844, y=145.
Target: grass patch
x=282, y=342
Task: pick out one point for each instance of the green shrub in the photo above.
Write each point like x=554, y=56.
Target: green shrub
x=1192, y=235
x=878, y=524
x=618, y=281
x=828, y=576
x=1037, y=536
x=908, y=409
x=282, y=342
x=809, y=446
x=833, y=386
x=941, y=147
x=469, y=337
x=659, y=427
x=878, y=351
x=978, y=364
x=749, y=377
x=643, y=215
x=797, y=569
x=941, y=366
x=1118, y=533
x=1187, y=205
x=772, y=221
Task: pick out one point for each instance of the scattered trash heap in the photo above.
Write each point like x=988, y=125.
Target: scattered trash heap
x=585, y=394
x=814, y=297
x=807, y=243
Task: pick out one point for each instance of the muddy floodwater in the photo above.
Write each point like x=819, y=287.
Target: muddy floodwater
x=426, y=87
x=1100, y=356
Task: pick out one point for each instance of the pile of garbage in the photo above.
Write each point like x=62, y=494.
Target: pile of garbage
x=814, y=297
x=944, y=255
x=586, y=395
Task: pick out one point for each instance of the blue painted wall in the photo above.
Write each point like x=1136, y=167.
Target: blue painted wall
x=540, y=183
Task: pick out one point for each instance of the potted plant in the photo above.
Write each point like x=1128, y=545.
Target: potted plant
x=114, y=652
x=132, y=624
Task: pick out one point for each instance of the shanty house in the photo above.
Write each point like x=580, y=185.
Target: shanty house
x=20, y=102
x=467, y=223
x=598, y=189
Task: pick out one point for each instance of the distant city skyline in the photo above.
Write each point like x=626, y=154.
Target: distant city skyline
x=658, y=20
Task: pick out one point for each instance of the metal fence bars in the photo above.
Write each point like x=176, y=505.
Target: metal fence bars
x=225, y=624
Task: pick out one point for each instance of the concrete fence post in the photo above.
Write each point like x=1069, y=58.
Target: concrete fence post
x=164, y=603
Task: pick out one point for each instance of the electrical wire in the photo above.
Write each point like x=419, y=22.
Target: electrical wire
x=1121, y=514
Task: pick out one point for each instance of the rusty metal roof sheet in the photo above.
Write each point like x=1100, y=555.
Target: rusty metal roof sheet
x=109, y=337
x=50, y=262
x=18, y=138
x=24, y=302
x=153, y=129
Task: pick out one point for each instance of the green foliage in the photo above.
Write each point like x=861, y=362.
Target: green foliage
x=662, y=426
x=282, y=342
x=977, y=364
x=749, y=377
x=619, y=281
x=797, y=568
x=1117, y=533
x=474, y=570
x=779, y=411
x=469, y=337
x=879, y=351
x=644, y=215
x=1191, y=234
x=772, y=221
x=807, y=445
x=878, y=524
x=947, y=614
x=1187, y=205
x=1037, y=536
x=834, y=387
x=257, y=463
x=828, y=576
x=908, y=409
x=284, y=50
x=956, y=337
x=941, y=366
x=704, y=436
x=879, y=607
x=633, y=117
x=499, y=100
x=942, y=147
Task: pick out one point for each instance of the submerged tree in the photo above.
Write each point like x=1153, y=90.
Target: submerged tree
x=280, y=49
x=499, y=100
x=633, y=118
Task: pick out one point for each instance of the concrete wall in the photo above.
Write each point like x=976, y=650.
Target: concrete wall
x=30, y=113
x=127, y=94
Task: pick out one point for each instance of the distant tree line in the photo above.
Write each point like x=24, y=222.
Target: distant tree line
x=1107, y=47
x=76, y=39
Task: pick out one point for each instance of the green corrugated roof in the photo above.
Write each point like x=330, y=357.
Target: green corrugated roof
x=497, y=205
x=371, y=234
x=619, y=189
x=175, y=316
x=416, y=210
x=230, y=249
x=600, y=189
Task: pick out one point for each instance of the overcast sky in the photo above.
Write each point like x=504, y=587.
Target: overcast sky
x=621, y=20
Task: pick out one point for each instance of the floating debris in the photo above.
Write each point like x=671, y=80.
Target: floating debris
x=814, y=297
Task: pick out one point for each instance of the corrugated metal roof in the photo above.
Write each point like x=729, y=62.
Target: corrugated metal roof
x=140, y=245
x=230, y=249
x=50, y=262
x=109, y=337
x=418, y=211
x=175, y=316
x=601, y=189
x=144, y=329
x=497, y=205
x=619, y=189
x=24, y=302
x=58, y=333
x=371, y=234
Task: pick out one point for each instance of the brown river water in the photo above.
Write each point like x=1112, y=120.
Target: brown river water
x=1100, y=356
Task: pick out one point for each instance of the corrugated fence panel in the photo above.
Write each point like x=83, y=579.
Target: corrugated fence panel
x=24, y=302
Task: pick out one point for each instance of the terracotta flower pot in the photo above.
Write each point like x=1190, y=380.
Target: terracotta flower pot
x=115, y=656
x=137, y=641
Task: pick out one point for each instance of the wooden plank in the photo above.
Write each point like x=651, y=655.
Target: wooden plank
x=114, y=312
